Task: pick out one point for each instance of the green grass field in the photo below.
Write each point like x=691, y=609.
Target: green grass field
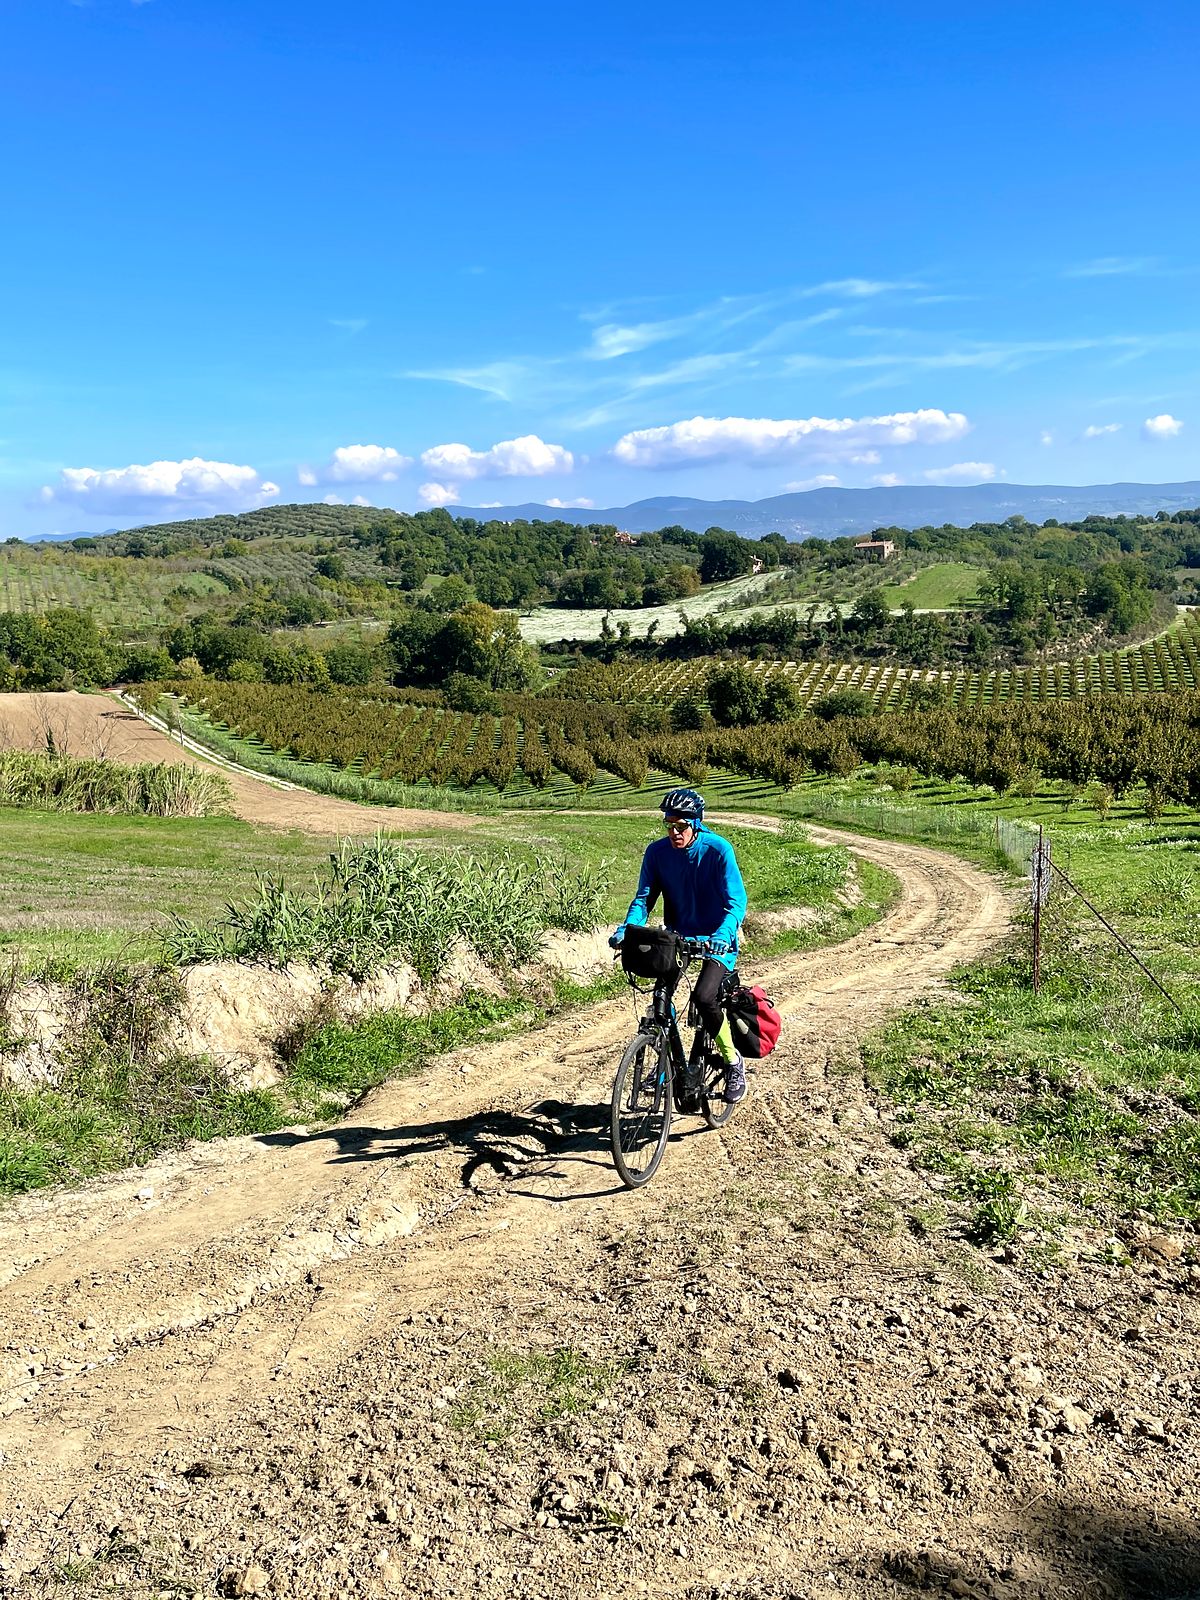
x=944, y=586
x=80, y=889
x=1056, y=1120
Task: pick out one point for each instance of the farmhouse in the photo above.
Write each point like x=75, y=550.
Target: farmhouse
x=874, y=549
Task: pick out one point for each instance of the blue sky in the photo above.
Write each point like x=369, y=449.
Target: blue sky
x=259, y=252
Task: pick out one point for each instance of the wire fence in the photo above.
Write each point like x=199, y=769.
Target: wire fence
x=949, y=824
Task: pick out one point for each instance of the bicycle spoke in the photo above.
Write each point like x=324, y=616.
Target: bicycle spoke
x=641, y=1111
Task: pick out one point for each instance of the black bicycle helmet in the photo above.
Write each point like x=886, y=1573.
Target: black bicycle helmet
x=683, y=803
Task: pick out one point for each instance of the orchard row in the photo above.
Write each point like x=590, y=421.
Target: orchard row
x=1169, y=661
x=1116, y=740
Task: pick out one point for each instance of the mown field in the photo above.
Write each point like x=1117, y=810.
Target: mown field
x=941, y=586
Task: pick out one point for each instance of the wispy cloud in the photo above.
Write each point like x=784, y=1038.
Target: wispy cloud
x=994, y=355
x=604, y=378
x=860, y=288
x=1113, y=267
x=1097, y=430
x=348, y=324
x=503, y=379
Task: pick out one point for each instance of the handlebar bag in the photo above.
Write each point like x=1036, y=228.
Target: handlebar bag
x=754, y=1021
x=649, y=952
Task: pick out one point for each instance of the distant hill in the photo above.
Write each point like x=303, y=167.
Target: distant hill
x=830, y=513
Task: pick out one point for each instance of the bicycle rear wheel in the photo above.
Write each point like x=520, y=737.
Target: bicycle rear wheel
x=641, y=1110
x=713, y=1104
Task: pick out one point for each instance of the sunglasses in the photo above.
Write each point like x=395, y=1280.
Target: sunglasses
x=678, y=826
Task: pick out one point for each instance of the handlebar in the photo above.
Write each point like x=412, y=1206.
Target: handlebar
x=690, y=947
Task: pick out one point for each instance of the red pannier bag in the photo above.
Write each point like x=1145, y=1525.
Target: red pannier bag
x=754, y=1021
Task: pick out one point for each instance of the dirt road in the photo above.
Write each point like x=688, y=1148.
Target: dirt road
x=434, y=1351
x=95, y=725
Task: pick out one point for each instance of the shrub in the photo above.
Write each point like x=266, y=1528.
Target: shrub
x=843, y=703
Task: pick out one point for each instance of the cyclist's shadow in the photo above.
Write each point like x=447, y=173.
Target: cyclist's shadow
x=500, y=1149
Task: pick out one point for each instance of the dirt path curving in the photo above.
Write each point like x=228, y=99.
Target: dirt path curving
x=95, y=725
x=434, y=1350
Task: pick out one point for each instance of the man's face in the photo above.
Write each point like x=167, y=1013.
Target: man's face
x=680, y=831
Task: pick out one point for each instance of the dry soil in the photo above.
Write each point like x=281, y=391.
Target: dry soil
x=95, y=725
x=435, y=1350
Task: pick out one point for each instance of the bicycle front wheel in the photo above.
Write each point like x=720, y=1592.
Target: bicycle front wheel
x=641, y=1110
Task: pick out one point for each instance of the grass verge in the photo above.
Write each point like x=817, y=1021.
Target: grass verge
x=1069, y=1115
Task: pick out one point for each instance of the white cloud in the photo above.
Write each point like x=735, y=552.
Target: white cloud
x=527, y=457
x=887, y=480
x=704, y=439
x=1164, y=426
x=963, y=472
x=823, y=480
x=1047, y=436
x=582, y=504
x=357, y=463
x=439, y=494
x=1097, y=430
x=216, y=485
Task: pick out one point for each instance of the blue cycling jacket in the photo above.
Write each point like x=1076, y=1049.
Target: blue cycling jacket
x=701, y=887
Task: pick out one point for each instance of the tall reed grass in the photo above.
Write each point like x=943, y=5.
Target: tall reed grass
x=380, y=899
x=68, y=783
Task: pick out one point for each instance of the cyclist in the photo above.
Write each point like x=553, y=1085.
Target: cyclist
x=696, y=873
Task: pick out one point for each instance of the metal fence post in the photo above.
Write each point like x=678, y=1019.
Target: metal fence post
x=1039, y=890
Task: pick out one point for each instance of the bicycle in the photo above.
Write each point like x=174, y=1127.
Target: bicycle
x=655, y=1080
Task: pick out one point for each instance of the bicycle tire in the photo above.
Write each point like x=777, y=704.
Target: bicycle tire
x=714, y=1107
x=640, y=1124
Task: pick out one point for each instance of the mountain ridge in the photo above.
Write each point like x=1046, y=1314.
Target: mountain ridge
x=831, y=513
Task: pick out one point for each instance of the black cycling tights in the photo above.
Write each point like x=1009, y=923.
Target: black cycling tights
x=705, y=992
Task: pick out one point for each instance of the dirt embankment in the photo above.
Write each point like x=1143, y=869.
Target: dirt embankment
x=434, y=1351
x=93, y=725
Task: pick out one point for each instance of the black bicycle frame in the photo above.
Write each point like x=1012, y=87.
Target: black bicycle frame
x=687, y=1071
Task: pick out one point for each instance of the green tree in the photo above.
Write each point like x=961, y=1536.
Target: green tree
x=843, y=703
x=723, y=556
x=735, y=696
